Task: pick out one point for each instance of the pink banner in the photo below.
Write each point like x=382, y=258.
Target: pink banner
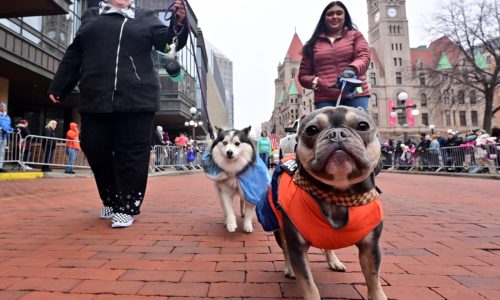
x=409, y=117
x=393, y=121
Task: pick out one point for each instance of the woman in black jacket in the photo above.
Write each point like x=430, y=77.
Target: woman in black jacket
x=110, y=57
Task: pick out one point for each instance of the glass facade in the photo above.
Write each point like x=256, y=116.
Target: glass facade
x=53, y=33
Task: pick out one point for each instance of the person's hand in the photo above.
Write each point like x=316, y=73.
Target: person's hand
x=348, y=73
x=54, y=99
x=180, y=11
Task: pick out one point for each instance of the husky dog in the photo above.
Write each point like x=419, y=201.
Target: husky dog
x=233, y=152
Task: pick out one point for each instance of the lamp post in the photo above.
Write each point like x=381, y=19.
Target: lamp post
x=193, y=122
x=431, y=127
x=402, y=97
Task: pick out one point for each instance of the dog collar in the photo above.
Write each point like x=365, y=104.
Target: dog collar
x=336, y=197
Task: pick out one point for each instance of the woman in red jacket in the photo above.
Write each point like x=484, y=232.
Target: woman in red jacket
x=336, y=49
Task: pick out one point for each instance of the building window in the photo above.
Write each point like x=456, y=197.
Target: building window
x=447, y=116
x=461, y=97
x=392, y=46
x=422, y=78
x=372, y=65
x=473, y=117
x=400, y=61
x=399, y=79
x=400, y=46
x=395, y=62
x=373, y=79
x=425, y=119
x=446, y=97
x=472, y=95
x=463, y=119
x=374, y=100
x=375, y=118
x=423, y=100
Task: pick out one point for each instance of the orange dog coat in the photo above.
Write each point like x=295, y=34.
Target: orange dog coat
x=307, y=217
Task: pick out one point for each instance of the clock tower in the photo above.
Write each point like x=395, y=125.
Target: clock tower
x=391, y=72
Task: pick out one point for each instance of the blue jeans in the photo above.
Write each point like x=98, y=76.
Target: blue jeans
x=265, y=158
x=354, y=102
x=71, y=158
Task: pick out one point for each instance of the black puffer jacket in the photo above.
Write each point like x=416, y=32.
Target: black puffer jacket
x=111, y=58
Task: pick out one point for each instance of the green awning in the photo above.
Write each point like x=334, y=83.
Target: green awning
x=444, y=62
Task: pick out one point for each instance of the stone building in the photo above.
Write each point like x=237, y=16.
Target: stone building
x=395, y=68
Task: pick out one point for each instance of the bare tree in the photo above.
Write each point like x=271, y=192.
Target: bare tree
x=474, y=27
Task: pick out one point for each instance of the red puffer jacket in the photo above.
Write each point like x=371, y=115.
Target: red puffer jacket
x=330, y=59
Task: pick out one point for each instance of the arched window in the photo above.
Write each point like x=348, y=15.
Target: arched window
x=423, y=100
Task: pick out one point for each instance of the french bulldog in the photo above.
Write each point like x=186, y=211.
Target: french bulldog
x=327, y=198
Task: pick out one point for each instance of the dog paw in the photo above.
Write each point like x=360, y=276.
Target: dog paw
x=289, y=273
x=336, y=266
x=248, y=228
x=231, y=227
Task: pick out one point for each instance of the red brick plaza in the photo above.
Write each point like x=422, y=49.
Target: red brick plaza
x=441, y=241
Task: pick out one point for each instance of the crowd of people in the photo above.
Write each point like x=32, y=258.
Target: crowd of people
x=473, y=151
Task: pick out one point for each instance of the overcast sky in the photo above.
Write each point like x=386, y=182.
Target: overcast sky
x=256, y=34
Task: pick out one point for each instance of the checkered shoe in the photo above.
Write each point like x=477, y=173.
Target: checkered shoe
x=121, y=220
x=106, y=212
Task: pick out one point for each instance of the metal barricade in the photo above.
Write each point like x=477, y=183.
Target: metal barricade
x=42, y=151
x=175, y=157
x=12, y=144
x=465, y=158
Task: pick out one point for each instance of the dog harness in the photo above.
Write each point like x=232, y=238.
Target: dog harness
x=305, y=213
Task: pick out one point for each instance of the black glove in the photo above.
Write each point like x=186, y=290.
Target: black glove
x=349, y=87
x=348, y=73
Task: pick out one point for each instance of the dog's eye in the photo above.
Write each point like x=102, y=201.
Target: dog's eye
x=312, y=130
x=224, y=143
x=237, y=143
x=363, y=126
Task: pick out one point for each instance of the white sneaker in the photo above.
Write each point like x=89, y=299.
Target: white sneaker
x=28, y=168
x=106, y=212
x=121, y=220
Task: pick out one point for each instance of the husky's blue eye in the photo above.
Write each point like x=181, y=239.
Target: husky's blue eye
x=224, y=143
x=237, y=143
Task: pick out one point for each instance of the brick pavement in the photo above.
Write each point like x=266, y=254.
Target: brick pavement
x=441, y=241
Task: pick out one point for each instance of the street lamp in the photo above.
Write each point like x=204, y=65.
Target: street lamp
x=431, y=127
x=402, y=97
x=193, y=122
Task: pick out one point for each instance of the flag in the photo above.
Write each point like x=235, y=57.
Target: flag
x=274, y=140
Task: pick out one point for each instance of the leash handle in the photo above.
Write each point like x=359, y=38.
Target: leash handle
x=341, y=90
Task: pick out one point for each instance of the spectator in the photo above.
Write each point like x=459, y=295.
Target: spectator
x=495, y=133
x=110, y=59
x=72, y=146
x=181, y=140
x=24, y=130
x=166, y=138
x=5, y=127
x=158, y=143
x=335, y=50
x=49, y=144
x=264, y=147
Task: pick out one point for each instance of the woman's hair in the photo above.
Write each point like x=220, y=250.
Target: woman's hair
x=51, y=123
x=321, y=28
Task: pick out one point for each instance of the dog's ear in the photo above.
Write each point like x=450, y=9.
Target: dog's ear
x=219, y=130
x=246, y=130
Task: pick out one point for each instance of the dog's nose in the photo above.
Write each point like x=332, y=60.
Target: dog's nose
x=229, y=153
x=338, y=135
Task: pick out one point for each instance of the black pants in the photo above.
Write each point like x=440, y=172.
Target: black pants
x=117, y=146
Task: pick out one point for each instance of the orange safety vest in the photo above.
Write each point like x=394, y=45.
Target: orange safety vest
x=307, y=217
